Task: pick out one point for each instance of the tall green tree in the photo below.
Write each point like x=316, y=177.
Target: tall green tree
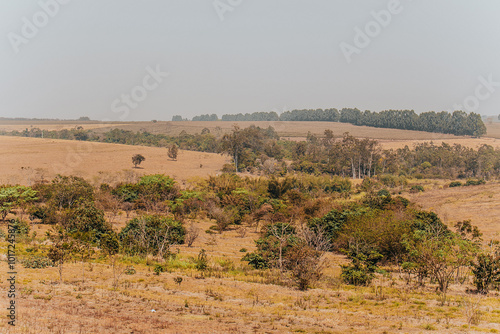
x=233, y=144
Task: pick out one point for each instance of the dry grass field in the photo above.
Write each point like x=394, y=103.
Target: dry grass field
x=480, y=204
x=468, y=142
x=25, y=160
x=6, y=125
x=231, y=297
x=285, y=129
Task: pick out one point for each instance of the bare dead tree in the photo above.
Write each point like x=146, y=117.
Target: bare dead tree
x=279, y=232
x=316, y=239
x=192, y=234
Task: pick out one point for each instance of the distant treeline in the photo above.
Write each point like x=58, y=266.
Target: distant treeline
x=458, y=123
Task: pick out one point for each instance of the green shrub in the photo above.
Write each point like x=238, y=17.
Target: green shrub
x=157, y=187
x=86, y=217
x=362, y=268
x=151, y=234
x=256, y=260
x=37, y=262
x=474, y=182
x=356, y=276
x=455, y=184
x=383, y=192
x=68, y=191
x=392, y=181
x=130, y=270
x=416, y=188
x=486, y=272
x=201, y=262
x=46, y=214
x=126, y=192
x=159, y=269
x=368, y=184
x=21, y=226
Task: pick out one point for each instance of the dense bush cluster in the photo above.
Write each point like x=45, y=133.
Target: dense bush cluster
x=299, y=217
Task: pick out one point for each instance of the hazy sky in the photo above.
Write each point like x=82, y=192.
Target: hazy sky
x=95, y=57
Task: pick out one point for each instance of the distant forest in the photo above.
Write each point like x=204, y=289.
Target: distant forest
x=458, y=123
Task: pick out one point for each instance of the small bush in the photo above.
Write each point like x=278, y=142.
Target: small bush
x=256, y=260
x=455, y=184
x=383, y=192
x=429, y=327
x=151, y=234
x=486, y=271
x=356, y=276
x=416, y=189
x=243, y=250
x=178, y=280
x=392, y=181
x=362, y=268
x=46, y=214
x=159, y=269
x=37, y=262
x=130, y=270
x=229, y=168
x=474, y=182
x=22, y=227
x=201, y=261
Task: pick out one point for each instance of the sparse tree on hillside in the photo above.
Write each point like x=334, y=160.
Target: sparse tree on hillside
x=83, y=248
x=110, y=244
x=173, y=150
x=232, y=144
x=442, y=254
x=137, y=159
x=61, y=249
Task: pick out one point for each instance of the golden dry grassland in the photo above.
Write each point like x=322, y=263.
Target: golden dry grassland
x=230, y=297
x=24, y=160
